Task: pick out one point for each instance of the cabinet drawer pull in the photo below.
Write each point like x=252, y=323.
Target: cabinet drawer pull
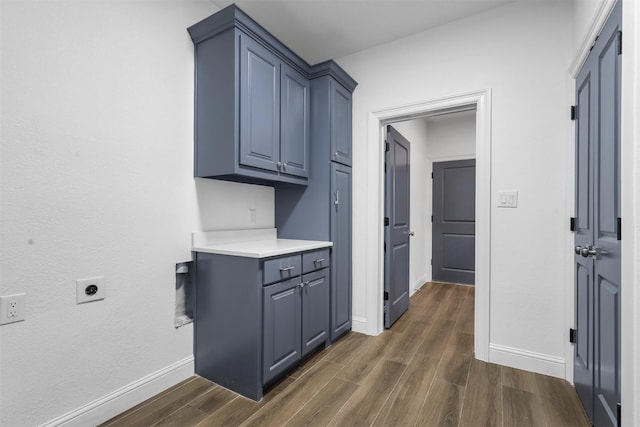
x=318, y=260
x=287, y=268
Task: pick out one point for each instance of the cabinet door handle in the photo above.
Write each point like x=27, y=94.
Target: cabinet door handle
x=287, y=268
x=336, y=201
x=279, y=164
x=284, y=166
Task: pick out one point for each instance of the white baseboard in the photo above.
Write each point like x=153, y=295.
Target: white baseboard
x=118, y=401
x=527, y=360
x=418, y=284
x=359, y=324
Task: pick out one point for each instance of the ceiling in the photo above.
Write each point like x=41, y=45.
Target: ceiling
x=318, y=30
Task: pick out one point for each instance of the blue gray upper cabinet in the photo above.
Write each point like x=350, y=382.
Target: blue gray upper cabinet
x=294, y=122
x=259, y=106
x=252, y=102
x=340, y=124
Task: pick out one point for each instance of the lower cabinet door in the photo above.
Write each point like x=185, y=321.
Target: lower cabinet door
x=282, y=327
x=315, y=309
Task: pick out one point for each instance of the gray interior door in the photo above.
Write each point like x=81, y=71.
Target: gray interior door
x=454, y=221
x=598, y=256
x=397, y=233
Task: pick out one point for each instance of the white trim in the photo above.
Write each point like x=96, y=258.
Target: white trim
x=630, y=181
x=596, y=26
x=417, y=285
x=114, y=403
x=527, y=360
x=375, y=232
x=470, y=156
x=359, y=324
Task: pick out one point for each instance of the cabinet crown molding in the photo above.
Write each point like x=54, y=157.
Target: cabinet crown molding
x=234, y=17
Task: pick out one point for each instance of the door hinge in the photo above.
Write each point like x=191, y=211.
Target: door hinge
x=620, y=42
x=431, y=261
x=385, y=246
x=619, y=414
x=386, y=221
x=572, y=336
x=386, y=146
x=594, y=43
x=386, y=296
x=431, y=218
x=572, y=223
x=574, y=112
x=619, y=228
x=431, y=175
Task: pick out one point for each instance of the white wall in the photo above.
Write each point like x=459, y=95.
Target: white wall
x=451, y=136
x=96, y=179
x=440, y=138
x=526, y=70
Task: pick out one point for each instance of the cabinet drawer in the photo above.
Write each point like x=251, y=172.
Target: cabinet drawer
x=282, y=268
x=315, y=260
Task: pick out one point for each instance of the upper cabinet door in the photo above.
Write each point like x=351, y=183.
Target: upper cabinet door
x=259, y=106
x=340, y=124
x=294, y=122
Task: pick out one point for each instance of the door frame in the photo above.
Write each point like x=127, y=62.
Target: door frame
x=377, y=120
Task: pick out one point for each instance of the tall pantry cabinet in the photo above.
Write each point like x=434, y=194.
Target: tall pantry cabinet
x=322, y=211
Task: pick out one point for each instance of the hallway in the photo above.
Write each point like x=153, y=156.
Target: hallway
x=421, y=372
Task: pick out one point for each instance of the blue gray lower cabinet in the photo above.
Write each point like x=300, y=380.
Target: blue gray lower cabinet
x=250, y=330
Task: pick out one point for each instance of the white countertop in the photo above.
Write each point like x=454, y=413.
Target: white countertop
x=259, y=243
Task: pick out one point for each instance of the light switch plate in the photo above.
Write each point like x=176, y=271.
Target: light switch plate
x=507, y=199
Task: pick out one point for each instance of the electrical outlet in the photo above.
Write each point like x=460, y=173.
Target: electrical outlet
x=92, y=289
x=12, y=308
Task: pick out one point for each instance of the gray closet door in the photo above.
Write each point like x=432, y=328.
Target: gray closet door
x=583, y=370
x=341, y=250
x=294, y=129
x=259, y=106
x=397, y=232
x=454, y=221
x=598, y=205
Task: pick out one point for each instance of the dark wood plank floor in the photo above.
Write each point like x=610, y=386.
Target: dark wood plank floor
x=419, y=373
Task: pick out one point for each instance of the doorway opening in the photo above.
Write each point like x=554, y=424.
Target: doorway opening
x=429, y=205
x=479, y=101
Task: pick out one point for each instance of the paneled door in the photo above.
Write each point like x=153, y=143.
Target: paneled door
x=454, y=221
x=598, y=227
x=397, y=232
